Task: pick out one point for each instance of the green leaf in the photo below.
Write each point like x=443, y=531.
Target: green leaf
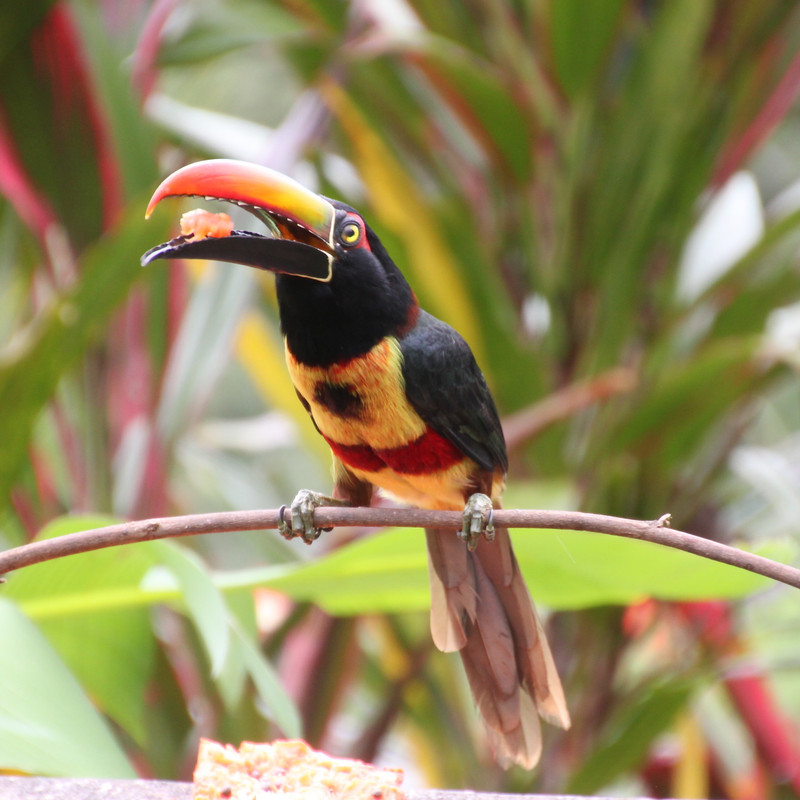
x=204, y=603
x=203, y=345
x=131, y=136
x=212, y=30
x=276, y=703
x=109, y=650
x=230, y=646
x=47, y=724
x=582, y=36
x=93, y=608
x=42, y=353
x=495, y=115
x=232, y=679
x=629, y=735
x=67, y=159
x=382, y=572
x=387, y=572
x=576, y=569
x=16, y=23
x=680, y=409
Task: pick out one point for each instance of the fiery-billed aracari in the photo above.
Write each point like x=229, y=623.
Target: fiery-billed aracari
x=399, y=398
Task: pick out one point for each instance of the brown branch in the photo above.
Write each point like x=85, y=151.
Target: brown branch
x=523, y=425
x=656, y=531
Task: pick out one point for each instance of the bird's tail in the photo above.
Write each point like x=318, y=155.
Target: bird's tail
x=480, y=606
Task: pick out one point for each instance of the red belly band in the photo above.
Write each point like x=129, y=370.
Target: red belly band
x=430, y=453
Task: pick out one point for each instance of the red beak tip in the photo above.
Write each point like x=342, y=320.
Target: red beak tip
x=151, y=206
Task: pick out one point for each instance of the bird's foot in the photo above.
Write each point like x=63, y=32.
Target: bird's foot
x=477, y=520
x=302, y=509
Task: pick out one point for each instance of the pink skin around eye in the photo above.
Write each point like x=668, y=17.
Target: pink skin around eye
x=363, y=243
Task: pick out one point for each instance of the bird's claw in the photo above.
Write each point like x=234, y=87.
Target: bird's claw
x=477, y=520
x=302, y=512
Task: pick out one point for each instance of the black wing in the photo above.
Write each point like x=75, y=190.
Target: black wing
x=447, y=389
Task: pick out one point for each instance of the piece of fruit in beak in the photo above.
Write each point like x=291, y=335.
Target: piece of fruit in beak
x=200, y=224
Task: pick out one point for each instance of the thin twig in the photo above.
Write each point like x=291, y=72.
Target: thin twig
x=657, y=531
x=521, y=426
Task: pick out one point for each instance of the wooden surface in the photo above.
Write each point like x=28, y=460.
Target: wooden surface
x=91, y=789
x=15, y=788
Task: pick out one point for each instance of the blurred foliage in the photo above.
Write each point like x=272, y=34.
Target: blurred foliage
x=585, y=190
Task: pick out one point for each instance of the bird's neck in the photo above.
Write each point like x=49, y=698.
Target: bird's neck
x=325, y=326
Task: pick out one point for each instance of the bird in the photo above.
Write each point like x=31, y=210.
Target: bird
x=405, y=409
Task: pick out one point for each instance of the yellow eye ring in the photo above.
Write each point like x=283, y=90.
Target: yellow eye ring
x=350, y=234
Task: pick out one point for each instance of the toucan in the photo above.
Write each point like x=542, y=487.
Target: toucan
x=400, y=400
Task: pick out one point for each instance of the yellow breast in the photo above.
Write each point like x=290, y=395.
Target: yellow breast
x=360, y=401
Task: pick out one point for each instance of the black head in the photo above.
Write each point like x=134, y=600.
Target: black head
x=339, y=292
x=366, y=299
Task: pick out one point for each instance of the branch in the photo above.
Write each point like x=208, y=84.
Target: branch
x=523, y=425
x=656, y=531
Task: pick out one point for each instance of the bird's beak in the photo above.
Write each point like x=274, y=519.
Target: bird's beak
x=301, y=220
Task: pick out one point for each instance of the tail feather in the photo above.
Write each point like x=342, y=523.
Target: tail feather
x=481, y=607
x=547, y=689
x=492, y=648
x=453, y=589
x=523, y=744
x=538, y=673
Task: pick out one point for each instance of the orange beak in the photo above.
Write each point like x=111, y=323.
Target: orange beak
x=304, y=220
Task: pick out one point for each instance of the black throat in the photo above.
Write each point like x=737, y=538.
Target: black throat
x=327, y=323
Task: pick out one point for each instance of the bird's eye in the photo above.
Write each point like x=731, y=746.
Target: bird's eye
x=350, y=234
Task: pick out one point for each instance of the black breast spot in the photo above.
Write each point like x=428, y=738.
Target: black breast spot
x=339, y=398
